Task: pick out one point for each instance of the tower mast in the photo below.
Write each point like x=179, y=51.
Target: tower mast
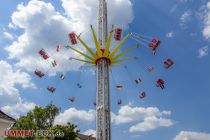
x=103, y=118
x=102, y=59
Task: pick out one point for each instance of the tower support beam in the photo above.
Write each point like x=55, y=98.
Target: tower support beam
x=103, y=117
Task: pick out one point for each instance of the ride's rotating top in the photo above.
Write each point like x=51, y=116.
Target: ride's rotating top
x=111, y=56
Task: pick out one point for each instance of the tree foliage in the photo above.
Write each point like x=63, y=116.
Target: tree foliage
x=69, y=131
x=43, y=119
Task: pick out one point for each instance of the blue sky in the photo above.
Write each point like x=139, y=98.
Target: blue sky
x=177, y=112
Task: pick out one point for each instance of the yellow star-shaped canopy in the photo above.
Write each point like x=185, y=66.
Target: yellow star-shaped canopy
x=111, y=56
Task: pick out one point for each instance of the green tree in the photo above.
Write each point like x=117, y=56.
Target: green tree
x=43, y=119
x=23, y=123
x=69, y=131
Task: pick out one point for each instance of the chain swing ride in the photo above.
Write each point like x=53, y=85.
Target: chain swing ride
x=103, y=59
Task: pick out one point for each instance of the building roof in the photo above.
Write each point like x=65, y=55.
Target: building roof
x=85, y=137
x=6, y=117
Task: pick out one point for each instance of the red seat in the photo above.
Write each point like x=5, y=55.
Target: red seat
x=143, y=95
x=43, y=54
x=72, y=35
x=118, y=33
x=74, y=41
x=160, y=83
x=72, y=38
x=118, y=30
x=39, y=73
x=168, y=63
x=154, y=43
x=51, y=89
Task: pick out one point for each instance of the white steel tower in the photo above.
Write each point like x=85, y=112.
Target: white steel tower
x=103, y=58
x=103, y=119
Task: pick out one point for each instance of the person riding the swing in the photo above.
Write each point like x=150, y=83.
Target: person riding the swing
x=160, y=83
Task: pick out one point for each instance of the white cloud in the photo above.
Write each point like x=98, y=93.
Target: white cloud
x=10, y=99
x=203, y=51
x=10, y=77
x=147, y=118
x=184, y=1
x=151, y=123
x=18, y=109
x=8, y=35
x=128, y=114
x=136, y=136
x=86, y=12
x=206, y=18
x=44, y=27
x=90, y=132
x=170, y=34
x=11, y=26
x=75, y=116
x=189, y=135
x=185, y=17
x=178, y=4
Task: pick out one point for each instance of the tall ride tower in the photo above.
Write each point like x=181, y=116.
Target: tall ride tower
x=102, y=59
x=103, y=119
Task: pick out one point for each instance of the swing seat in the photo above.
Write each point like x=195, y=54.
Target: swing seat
x=118, y=34
x=119, y=87
x=72, y=38
x=51, y=89
x=168, y=63
x=39, y=73
x=119, y=102
x=43, y=54
x=154, y=43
